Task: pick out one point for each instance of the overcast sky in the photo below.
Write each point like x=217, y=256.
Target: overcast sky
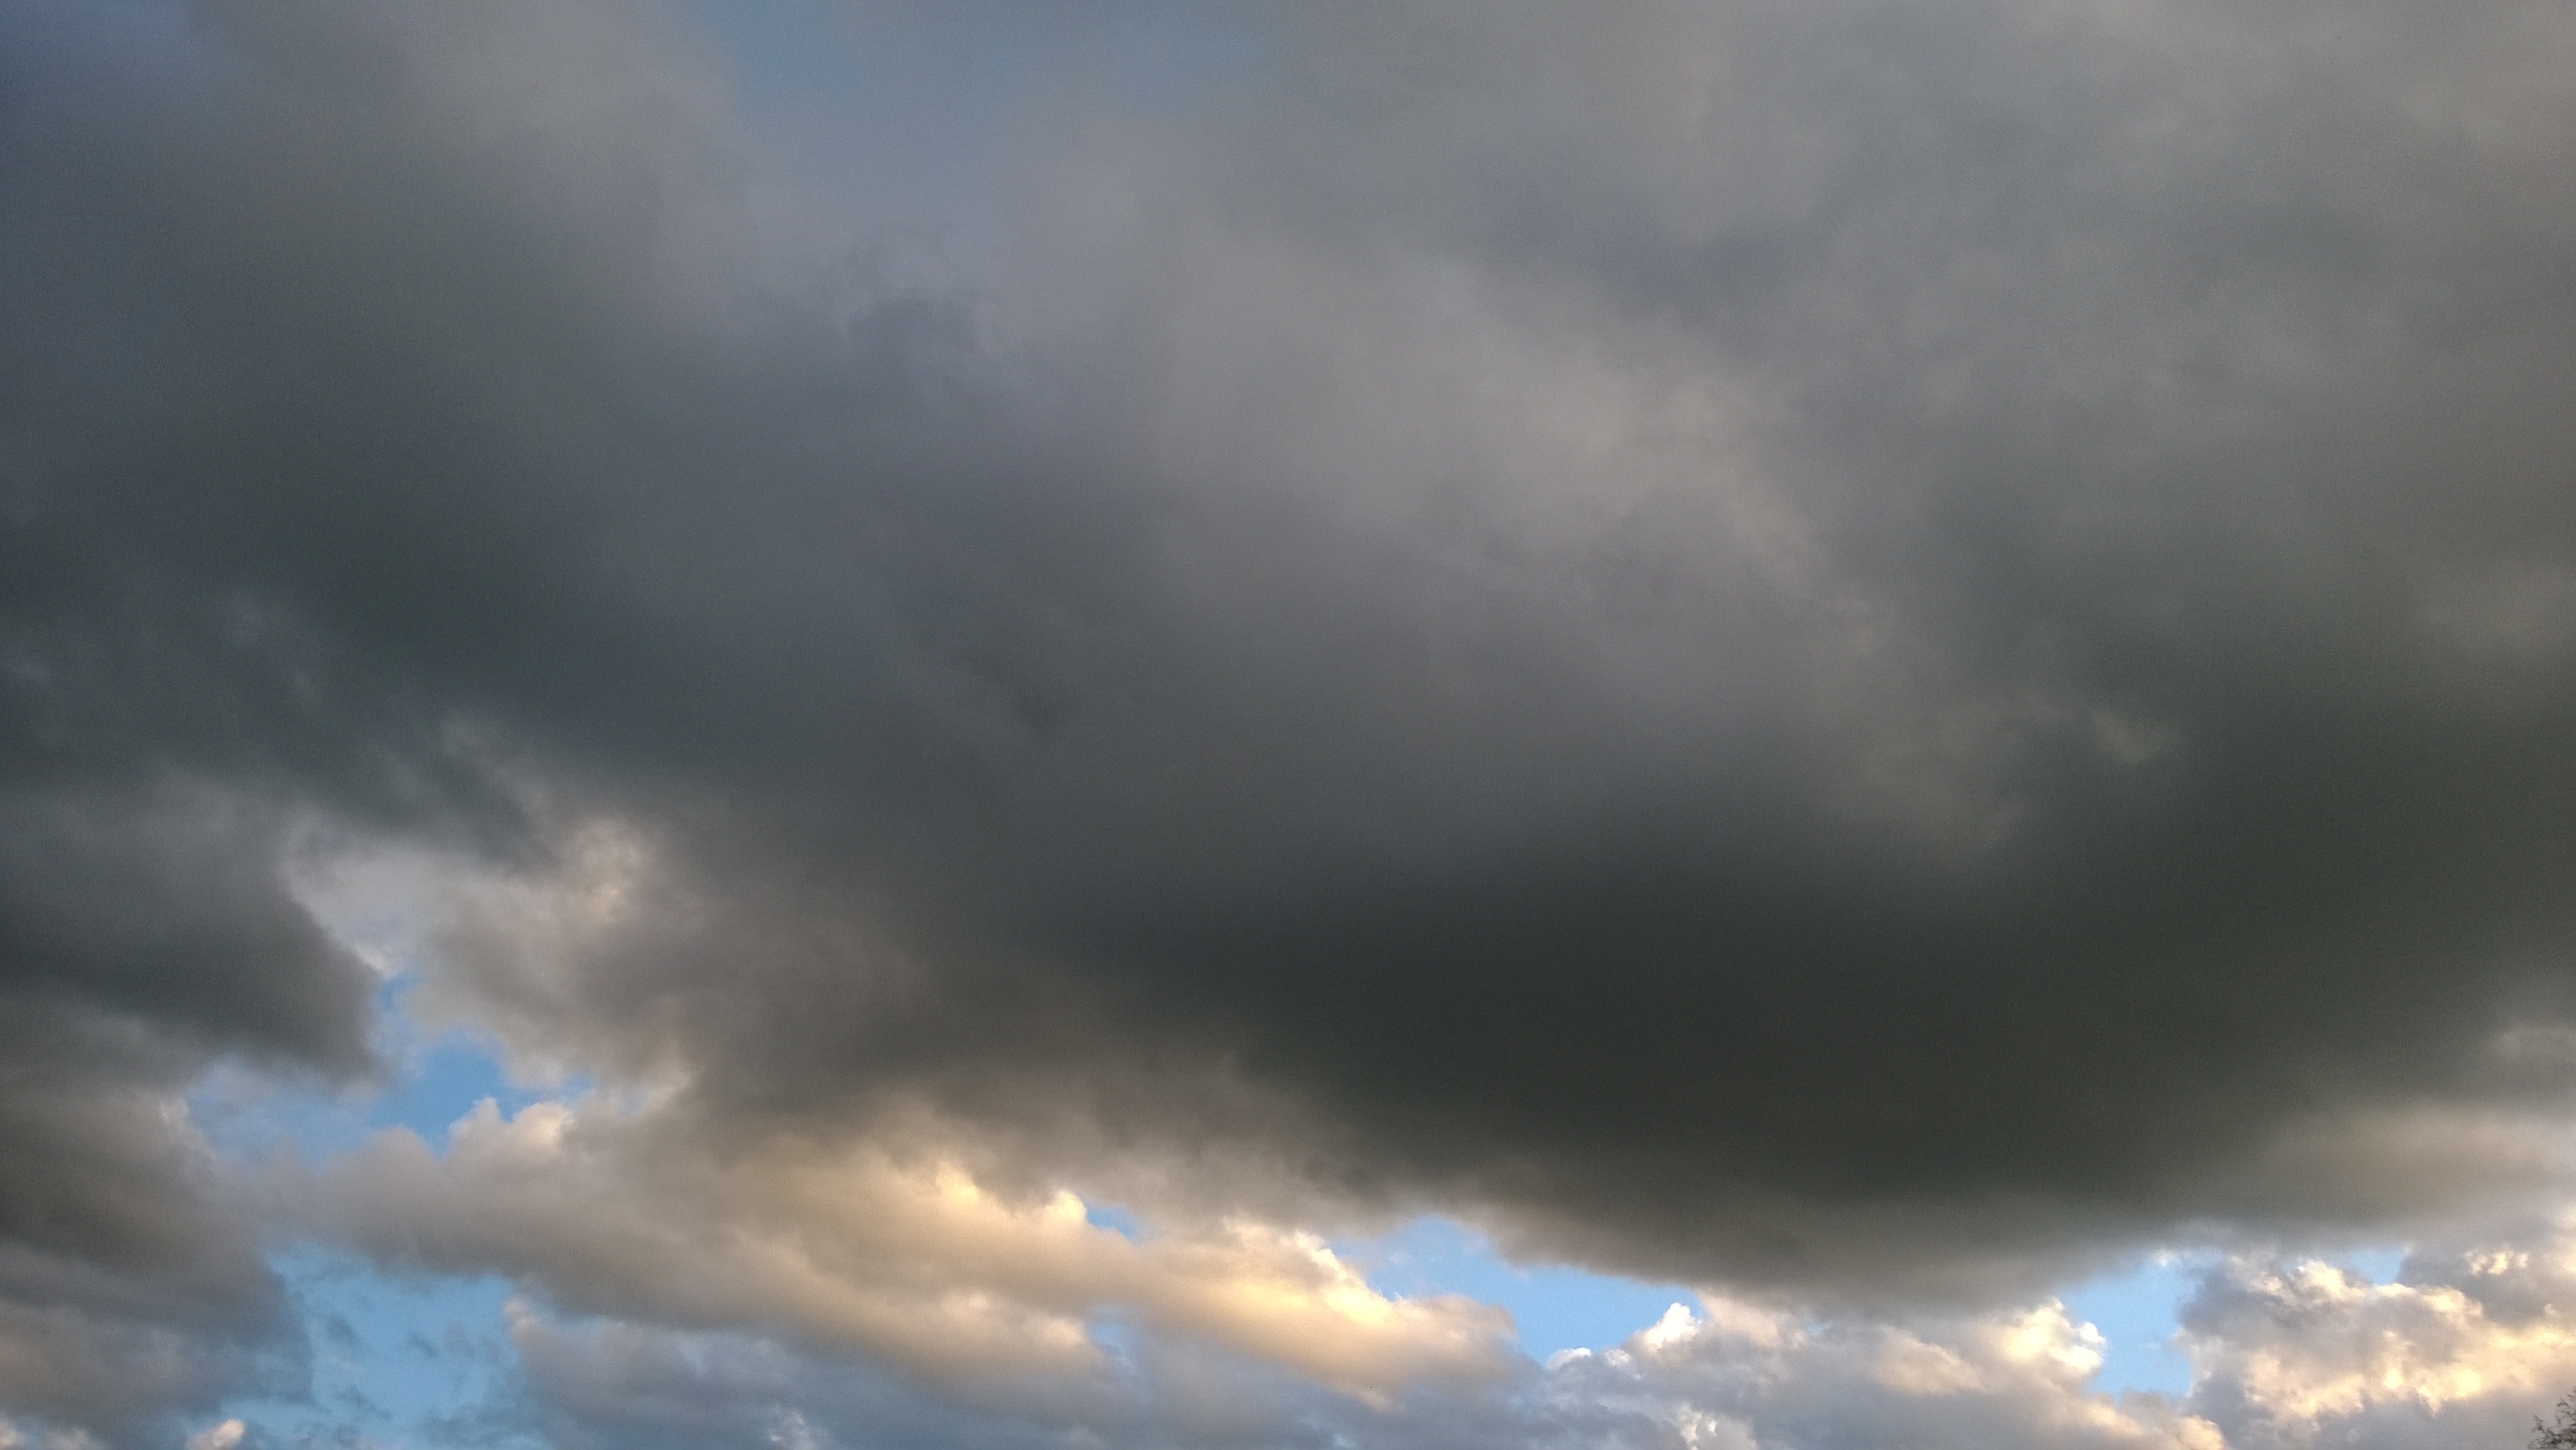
x=1022, y=668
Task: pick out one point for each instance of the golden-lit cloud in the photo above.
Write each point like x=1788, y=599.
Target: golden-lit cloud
x=620, y=1213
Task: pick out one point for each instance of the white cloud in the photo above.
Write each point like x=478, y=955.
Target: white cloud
x=852, y=1248
x=2464, y=1347
x=1736, y=1376
x=2016, y=1377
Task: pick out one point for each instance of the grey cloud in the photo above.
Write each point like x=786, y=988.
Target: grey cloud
x=147, y=927
x=1797, y=645
x=617, y=1384
x=144, y=931
x=130, y=1284
x=174, y=912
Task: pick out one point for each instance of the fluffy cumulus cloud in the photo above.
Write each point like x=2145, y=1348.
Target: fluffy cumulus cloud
x=1743, y=1376
x=1862, y=654
x=2461, y=1347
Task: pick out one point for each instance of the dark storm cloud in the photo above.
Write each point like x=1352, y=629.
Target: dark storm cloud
x=141, y=934
x=129, y=1285
x=1814, y=645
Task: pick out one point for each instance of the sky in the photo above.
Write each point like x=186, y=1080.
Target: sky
x=1731, y=725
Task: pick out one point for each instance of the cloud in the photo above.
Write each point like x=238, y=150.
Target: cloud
x=2466, y=1345
x=911, y=1262
x=139, y=938
x=1735, y=1375
x=1743, y=1375
x=1816, y=648
x=2462, y=1347
x=131, y=1285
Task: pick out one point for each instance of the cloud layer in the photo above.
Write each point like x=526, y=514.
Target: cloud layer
x=2456, y=1350
x=914, y=1263
x=1840, y=651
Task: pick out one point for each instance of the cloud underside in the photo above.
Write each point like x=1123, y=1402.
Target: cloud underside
x=1842, y=652
x=2457, y=1350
